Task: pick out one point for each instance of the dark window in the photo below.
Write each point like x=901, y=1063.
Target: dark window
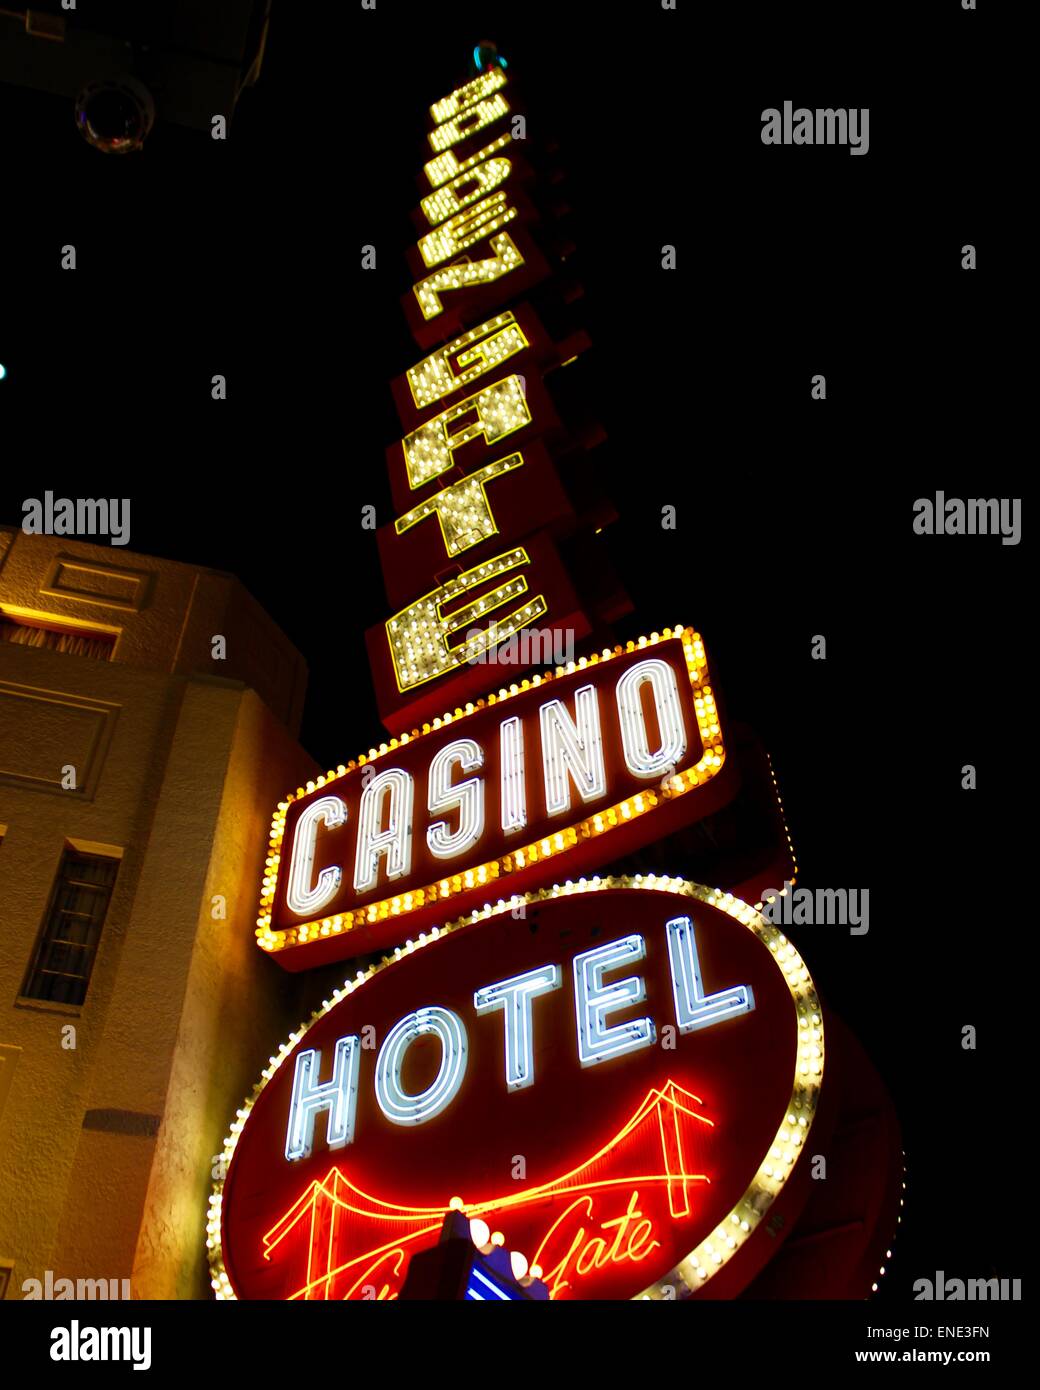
x=78, y=641
x=65, y=954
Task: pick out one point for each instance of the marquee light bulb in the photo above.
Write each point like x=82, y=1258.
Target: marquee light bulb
x=3, y=371
x=497, y=1238
x=479, y=1233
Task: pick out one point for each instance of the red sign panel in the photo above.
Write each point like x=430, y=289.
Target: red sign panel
x=554, y=776
x=528, y=496
x=497, y=417
x=513, y=336
x=450, y=298
x=436, y=649
x=619, y=1076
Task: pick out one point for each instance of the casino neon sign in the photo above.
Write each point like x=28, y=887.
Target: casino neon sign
x=662, y=1040
x=564, y=771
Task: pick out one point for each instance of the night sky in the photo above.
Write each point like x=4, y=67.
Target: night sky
x=794, y=516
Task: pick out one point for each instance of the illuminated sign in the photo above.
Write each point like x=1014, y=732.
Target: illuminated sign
x=473, y=518
x=509, y=411
x=613, y=1078
x=450, y=297
x=474, y=252
x=554, y=775
x=514, y=336
x=620, y=1075
x=438, y=647
x=481, y=1286
x=471, y=558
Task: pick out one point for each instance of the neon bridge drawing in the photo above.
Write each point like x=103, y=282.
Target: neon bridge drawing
x=334, y=1227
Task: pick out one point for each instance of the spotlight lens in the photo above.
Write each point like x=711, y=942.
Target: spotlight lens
x=115, y=116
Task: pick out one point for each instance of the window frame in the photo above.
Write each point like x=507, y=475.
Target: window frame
x=47, y=934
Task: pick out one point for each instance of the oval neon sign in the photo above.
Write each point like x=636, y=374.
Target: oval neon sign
x=619, y=1075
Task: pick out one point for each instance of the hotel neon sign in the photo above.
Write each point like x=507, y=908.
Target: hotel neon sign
x=663, y=1040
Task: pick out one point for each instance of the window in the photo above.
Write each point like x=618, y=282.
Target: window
x=78, y=641
x=64, y=958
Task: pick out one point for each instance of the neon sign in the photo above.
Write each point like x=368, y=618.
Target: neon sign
x=582, y=1222
x=495, y=557
x=619, y=1074
x=598, y=1040
x=574, y=769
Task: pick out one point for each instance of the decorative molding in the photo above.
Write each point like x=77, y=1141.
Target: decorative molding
x=41, y=731
x=87, y=581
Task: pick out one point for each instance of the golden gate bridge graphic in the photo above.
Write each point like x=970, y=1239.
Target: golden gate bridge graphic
x=353, y=1245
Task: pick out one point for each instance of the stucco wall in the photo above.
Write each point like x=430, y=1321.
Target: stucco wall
x=105, y=1147
x=164, y=614
x=238, y=1006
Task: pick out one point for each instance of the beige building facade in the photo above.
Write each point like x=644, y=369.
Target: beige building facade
x=148, y=720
